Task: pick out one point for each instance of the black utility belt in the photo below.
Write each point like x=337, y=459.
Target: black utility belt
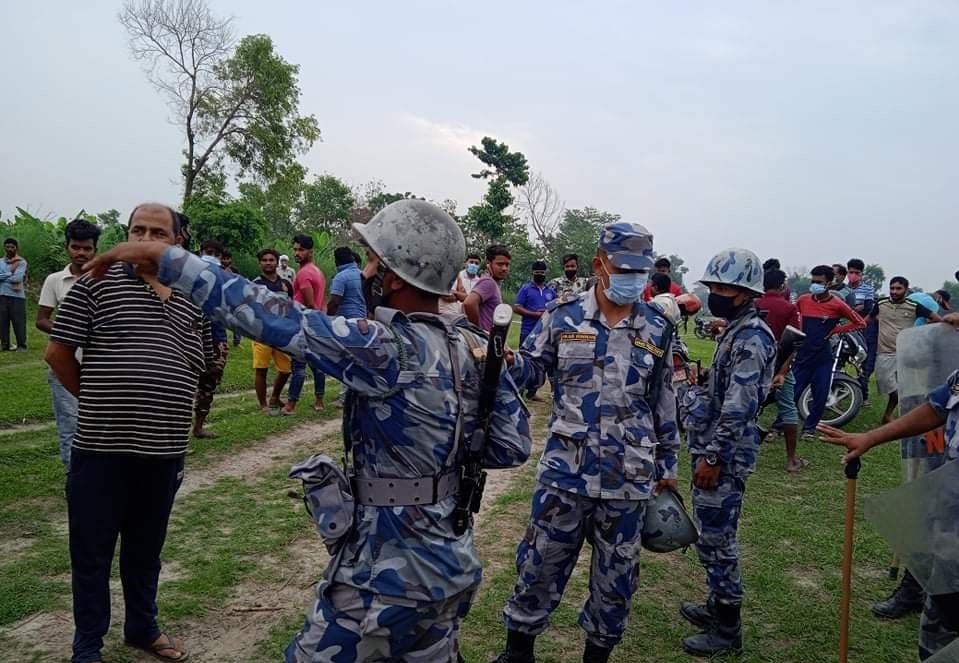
x=421, y=491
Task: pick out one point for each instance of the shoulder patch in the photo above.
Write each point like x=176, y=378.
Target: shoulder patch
x=652, y=348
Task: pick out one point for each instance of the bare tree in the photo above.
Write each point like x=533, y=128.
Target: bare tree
x=181, y=44
x=540, y=206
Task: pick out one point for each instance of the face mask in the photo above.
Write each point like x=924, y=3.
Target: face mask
x=213, y=260
x=539, y=278
x=625, y=288
x=472, y=269
x=570, y=274
x=722, y=306
x=817, y=288
x=854, y=279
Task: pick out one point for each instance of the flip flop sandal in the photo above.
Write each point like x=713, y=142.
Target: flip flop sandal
x=168, y=643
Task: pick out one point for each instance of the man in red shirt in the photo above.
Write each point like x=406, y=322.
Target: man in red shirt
x=663, y=266
x=821, y=312
x=309, y=289
x=779, y=313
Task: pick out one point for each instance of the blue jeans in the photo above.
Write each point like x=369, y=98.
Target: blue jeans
x=871, y=334
x=818, y=377
x=298, y=377
x=65, y=413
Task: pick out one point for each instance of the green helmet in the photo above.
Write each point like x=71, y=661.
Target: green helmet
x=419, y=242
x=666, y=525
x=739, y=267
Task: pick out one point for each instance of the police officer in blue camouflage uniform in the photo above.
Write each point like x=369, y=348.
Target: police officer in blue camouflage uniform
x=720, y=418
x=939, y=625
x=400, y=579
x=612, y=442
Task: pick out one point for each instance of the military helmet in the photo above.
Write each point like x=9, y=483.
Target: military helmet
x=419, y=242
x=739, y=267
x=666, y=525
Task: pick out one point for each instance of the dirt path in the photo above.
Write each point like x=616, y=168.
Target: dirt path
x=47, y=636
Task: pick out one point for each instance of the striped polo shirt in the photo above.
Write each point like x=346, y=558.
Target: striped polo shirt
x=141, y=362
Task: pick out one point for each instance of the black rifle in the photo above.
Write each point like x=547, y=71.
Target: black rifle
x=472, y=476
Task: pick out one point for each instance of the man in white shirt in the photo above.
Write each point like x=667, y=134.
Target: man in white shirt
x=81, y=244
x=284, y=270
x=462, y=287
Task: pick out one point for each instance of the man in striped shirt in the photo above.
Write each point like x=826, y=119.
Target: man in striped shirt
x=144, y=348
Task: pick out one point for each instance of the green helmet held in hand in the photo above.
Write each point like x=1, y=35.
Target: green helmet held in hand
x=739, y=267
x=666, y=525
x=417, y=241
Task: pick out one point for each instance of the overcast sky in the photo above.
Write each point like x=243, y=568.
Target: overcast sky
x=814, y=132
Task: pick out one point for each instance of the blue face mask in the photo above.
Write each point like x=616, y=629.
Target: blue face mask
x=625, y=288
x=213, y=260
x=817, y=288
x=472, y=268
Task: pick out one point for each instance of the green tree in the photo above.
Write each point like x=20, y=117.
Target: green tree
x=503, y=169
x=579, y=233
x=678, y=269
x=238, y=225
x=326, y=206
x=236, y=101
x=798, y=283
x=278, y=200
x=875, y=276
x=953, y=289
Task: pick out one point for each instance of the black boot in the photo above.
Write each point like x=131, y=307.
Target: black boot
x=907, y=598
x=519, y=648
x=703, y=616
x=725, y=638
x=595, y=654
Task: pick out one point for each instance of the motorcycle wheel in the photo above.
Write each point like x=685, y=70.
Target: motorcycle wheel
x=700, y=333
x=842, y=405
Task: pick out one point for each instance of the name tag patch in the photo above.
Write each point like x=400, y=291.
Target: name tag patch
x=577, y=337
x=652, y=348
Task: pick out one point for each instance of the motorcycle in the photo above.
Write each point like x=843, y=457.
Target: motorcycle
x=845, y=395
x=708, y=328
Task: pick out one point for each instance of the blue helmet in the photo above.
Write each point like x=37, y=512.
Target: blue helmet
x=739, y=267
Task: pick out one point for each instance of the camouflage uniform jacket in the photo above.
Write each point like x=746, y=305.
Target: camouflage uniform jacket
x=720, y=417
x=405, y=416
x=605, y=440
x=945, y=401
x=566, y=289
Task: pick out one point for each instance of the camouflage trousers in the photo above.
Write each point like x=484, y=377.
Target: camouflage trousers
x=934, y=635
x=210, y=380
x=716, y=513
x=349, y=625
x=559, y=523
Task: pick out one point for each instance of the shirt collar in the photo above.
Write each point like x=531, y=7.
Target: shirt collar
x=343, y=268
x=65, y=273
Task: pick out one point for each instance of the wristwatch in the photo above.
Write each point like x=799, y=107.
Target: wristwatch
x=711, y=459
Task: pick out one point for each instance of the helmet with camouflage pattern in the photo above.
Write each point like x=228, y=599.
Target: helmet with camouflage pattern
x=739, y=267
x=419, y=242
x=666, y=525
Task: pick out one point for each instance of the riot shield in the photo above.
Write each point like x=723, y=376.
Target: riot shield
x=949, y=654
x=920, y=522
x=925, y=357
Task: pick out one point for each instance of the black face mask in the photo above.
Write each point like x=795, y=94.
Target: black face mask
x=570, y=274
x=539, y=279
x=722, y=306
x=373, y=289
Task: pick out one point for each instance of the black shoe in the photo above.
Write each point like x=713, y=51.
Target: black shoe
x=703, y=616
x=519, y=648
x=725, y=638
x=907, y=598
x=596, y=654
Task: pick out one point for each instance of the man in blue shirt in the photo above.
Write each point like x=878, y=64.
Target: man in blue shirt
x=13, y=302
x=346, y=289
x=530, y=303
x=865, y=300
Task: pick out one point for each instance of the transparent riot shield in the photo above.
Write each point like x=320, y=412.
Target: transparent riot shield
x=948, y=654
x=925, y=357
x=920, y=522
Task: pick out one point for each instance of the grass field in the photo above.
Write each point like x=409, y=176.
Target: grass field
x=241, y=555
